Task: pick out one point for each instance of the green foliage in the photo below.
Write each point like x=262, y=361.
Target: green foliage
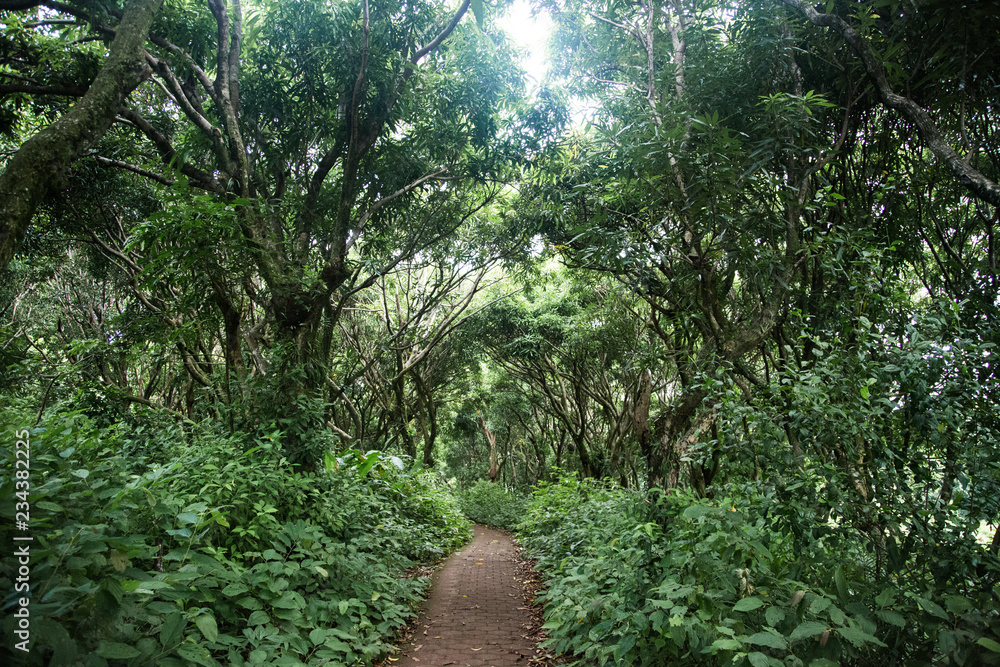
x=773, y=301
x=427, y=522
x=226, y=556
x=491, y=504
x=660, y=579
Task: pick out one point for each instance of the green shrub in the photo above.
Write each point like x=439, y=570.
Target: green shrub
x=493, y=505
x=672, y=580
x=427, y=521
x=225, y=557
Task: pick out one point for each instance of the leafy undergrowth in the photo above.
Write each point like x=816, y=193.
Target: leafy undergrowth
x=670, y=580
x=491, y=504
x=227, y=556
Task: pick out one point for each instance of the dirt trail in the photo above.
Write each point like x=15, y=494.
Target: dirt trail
x=475, y=614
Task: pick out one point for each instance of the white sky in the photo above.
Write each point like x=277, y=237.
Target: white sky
x=530, y=33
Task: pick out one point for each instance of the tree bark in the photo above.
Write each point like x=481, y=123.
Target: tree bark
x=492, y=439
x=640, y=416
x=42, y=159
x=981, y=187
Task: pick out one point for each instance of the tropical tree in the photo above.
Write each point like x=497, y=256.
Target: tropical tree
x=302, y=153
x=40, y=162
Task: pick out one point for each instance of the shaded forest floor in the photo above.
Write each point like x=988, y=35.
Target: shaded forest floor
x=479, y=610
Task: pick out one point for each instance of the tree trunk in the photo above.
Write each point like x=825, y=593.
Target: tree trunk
x=581, y=448
x=427, y=412
x=640, y=418
x=492, y=439
x=663, y=458
x=511, y=451
x=42, y=160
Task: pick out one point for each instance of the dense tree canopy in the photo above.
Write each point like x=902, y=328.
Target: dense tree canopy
x=333, y=252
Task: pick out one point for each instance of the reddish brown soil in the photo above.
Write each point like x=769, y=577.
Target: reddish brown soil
x=478, y=611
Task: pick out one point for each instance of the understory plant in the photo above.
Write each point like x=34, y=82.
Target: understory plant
x=225, y=556
x=643, y=579
x=492, y=504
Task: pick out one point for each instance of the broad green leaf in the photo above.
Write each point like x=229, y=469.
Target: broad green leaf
x=346, y=636
x=624, y=646
x=857, y=637
x=477, y=11
x=886, y=597
x=725, y=644
x=209, y=628
x=187, y=517
x=170, y=630
x=841, y=582
x=234, y=589
x=748, y=604
x=368, y=464
x=819, y=604
x=337, y=645
x=250, y=602
x=119, y=560
x=151, y=585
x=116, y=650
x=947, y=642
x=807, y=629
x=958, y=604
x=932, y=608
x=892, y=617
x=258, y=618
x=130, y=585
x=774, y=616
x=196, y=653
x=769, y=639
x=989, y=644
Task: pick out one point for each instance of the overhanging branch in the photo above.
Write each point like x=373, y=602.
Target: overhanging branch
x=41, y=159
x=979, y=185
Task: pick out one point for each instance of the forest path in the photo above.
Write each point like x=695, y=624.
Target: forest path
x=476, y=612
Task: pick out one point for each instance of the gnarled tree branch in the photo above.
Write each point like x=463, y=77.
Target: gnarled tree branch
x=42, y=158
x=979, y=185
